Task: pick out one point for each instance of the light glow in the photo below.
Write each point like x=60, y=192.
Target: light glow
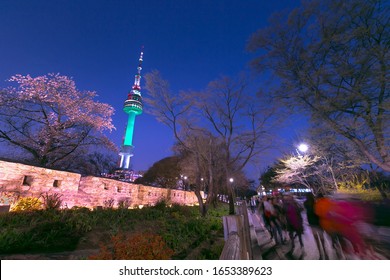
x=303, y=147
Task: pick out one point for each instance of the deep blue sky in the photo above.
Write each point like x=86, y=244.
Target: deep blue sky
x=98, y=43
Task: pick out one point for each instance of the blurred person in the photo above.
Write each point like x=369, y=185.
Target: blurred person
x=253, y=204
x=356, y=218
x=381, y=213
x=274, y=215
x=268, y=213
x=323, y=209
x=342, y=220
x=271, y=214
x=280, y=219
x=380, y=239
x=294, y=220
x=314, y=222
x=265, y=215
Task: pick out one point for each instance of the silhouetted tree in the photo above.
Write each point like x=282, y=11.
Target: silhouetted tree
x=331, y=59
x=164, y=173
x=93, y=163
x=267, y=178
x=224, y=115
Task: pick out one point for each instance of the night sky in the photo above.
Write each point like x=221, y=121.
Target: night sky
x=98, y=44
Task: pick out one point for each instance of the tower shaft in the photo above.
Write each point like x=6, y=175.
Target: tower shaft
x=128, y=141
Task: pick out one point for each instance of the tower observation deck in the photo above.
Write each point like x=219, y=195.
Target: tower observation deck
x=132, y=107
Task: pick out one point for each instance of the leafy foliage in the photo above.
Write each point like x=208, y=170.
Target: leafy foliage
x=360, y=185
x=27, y=204
x=165, y=173
x=267, y=178
x=179, y=228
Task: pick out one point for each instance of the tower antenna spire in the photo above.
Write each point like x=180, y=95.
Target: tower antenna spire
x=137, y=80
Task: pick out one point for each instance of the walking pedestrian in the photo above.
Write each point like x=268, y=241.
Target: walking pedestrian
x=314, y=222
x=253, y=204
x=294, y=220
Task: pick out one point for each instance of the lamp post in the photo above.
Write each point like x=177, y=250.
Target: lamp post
x=203, y=188
x=231, y=180
x=231, y=200
x=185, y=182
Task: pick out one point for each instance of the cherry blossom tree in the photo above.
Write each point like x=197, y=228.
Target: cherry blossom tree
x=320, y=173
x=296, y=170
x=51, y=121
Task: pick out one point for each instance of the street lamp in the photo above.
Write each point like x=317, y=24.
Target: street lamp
x=234, y=195
x=303, y=147
x=203, y=188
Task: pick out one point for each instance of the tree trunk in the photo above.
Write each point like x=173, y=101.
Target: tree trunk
x=202, y=206
x=232, y=210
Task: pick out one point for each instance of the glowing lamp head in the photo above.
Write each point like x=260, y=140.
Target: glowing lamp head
x=303, y=148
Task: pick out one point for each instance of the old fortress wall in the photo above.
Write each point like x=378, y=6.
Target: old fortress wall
x=76, y=190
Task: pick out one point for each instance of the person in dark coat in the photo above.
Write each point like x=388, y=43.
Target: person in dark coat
x=314, y=222
x=294, y=220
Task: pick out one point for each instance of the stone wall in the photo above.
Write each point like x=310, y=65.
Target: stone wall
x=75, y=190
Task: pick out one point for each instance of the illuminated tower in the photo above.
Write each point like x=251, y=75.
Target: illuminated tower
x=132, y=107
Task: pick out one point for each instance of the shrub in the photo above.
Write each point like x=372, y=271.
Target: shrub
x=53, y=237
x=124, y=203
x=213, y=251
x=27, y=204
x=52, y=201
x=139, y=246
x=109, y=204
x=43, y=237
x=161, y=205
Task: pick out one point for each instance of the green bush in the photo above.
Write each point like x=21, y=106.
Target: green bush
x=44, y=237
x=161, y=205
x=181, y=228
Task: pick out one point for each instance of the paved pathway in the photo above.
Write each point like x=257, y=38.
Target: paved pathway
x=267, y=249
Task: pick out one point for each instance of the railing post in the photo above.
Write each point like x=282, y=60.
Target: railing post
x=243, y=210
x=239, y=246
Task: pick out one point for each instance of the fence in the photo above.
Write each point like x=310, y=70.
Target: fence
x=237, y=235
